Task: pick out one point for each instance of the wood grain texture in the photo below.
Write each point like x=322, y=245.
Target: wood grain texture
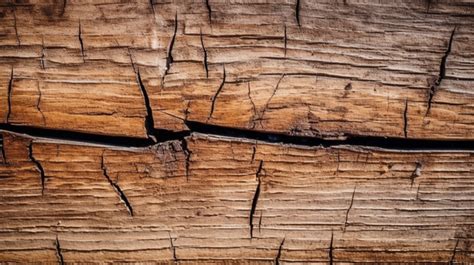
x=332, y=69
x=203, y=131
x=313, y=204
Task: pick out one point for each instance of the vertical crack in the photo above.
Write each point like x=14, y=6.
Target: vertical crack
x=59, y=254
x=152, y=7
x=187, y=154
x=260, y=222
x=2, y=145
x=173, y=248
x=254, y=108
x=453, y=257
x=18, y=42
x=209, y=11
x=169, y=52
x=9, y=91
x=255, y=198
x=428, y=6
x=81, y=41
x=205, y=56
x=285, y=40
x=254, y=150
x=38, y=165
x=417, y=197
x=63, y=10
x=116, y=187
x=280, y=250
x=214, y=98
x=149, y=121
x=349, y=209
x=330, y=252
x=269, y=99
x=434, y=84
x=42, y=53
x=405, y=120
x=297, y=12
x=38, y=103
x=416, y=172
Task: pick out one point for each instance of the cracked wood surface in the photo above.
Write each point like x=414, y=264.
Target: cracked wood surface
x=317, y=68
x=314, y=204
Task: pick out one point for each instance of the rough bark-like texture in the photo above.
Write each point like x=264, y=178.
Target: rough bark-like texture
x=258, y=132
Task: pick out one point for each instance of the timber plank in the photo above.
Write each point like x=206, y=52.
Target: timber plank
x=376, y=204
x=330, y=70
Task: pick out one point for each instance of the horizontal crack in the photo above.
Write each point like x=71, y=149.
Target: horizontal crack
x=369, y=141
x=269, y=137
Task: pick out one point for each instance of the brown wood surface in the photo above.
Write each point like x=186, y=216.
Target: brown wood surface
x=238, y=200
x=236, y=132
x=351, y=67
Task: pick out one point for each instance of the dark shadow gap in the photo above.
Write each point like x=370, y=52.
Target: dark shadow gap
x=245, y=134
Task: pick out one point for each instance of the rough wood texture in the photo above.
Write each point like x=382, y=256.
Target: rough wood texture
x=240, y=200
x=236, y=132
x=332, y=69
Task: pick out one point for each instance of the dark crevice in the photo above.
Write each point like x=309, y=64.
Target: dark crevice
x=285, y=40
x=18, y=42
x=260, y=222
x=169, y=52
x=349, y=209
x=330, y=252
x=262, y=114
x=214, y=98
x=254, y=108
x=254, y=150
x=9, y=95
x=280, y=249
x=38, y=165
x=255, y=197
x=243, y=134
x=416, y=172
x=59, y=254
x=152, y=7
x=434, y=84
x=187, y=154
x=205, y=56
x=173, y=249
x=428, y=6
x=81, y=42
x=116, y=187
x=38, y=103
x=2, y=145
x=453, y=257
x=149, y=122
x=42, y=54
x=417, y=197
x=368, y=141
x=209, y=11
x=297, y=12
x=405, y=120
x=63, y=9
x=88, y=137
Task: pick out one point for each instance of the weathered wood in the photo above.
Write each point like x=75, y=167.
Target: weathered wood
x=372, y=204
x=115, y=119
x=400, y=69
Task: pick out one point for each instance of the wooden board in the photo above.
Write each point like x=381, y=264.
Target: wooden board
x=236, y=132
x=214, y=199
x=332, y=69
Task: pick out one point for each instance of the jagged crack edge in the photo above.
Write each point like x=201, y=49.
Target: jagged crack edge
x=117, y=188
